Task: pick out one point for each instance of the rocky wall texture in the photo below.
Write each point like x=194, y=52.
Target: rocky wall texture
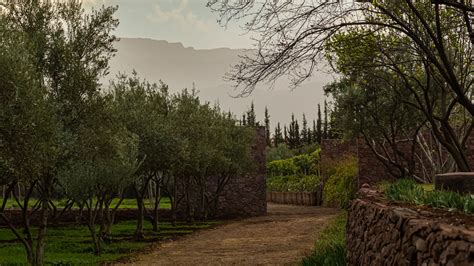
x=380, y=234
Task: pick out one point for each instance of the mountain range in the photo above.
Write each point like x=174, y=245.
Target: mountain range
x=185, y=67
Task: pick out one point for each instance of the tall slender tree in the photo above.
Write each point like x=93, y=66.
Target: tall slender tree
x=251, y=116
x=319, y=132
x=314, y=133
x=267, y=128
x=305, y=131
x=278, y=136
x=325, y=129
x=294, y=133
x=285, y=134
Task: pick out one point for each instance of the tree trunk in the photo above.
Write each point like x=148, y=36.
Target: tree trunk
x=156, y=207
x=42, y=233
x=95, y=238
x=140, y=217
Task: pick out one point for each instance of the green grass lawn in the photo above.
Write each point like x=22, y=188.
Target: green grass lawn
x=126, y=203
x=73, y=245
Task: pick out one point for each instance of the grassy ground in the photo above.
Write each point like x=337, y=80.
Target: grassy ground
x=73, y=245
x=126, y=203
x=330, y=248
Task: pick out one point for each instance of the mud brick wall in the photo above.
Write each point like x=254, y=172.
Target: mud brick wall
x=242, y=196
x=371, y=169
x=379, y=234
x=470, y=150
x=333, y=150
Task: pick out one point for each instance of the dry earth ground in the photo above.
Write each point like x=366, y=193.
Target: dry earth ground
x=283, y=237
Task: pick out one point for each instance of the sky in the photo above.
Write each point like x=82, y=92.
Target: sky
x=187, y=21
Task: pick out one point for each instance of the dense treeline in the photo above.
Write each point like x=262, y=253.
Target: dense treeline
x=294, y=135
x=62, y=136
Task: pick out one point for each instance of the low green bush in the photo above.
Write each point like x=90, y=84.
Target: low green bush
x=330, y=248
x=280, y=152
x=409, y=191
x=294, y=183
x=340, y=187
x=304, y=164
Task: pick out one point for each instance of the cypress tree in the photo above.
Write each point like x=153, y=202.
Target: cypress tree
x=325, y=132
x=267, y=127
x=244, y=120
x=314, y=133
x=294, y=133
x=278, y=137
x=251, y=117
x=285, y=132
x=319, y=133
x=305, y=131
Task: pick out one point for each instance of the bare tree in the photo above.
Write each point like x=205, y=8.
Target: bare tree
x=291, y=35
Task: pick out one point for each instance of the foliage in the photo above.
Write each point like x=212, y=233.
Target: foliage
x=279, y=152
x=48, y=95
x=413, y=50
x=407, y=190
x=294, y=183
x=62, y=137
x=340, y=187
x=304, y=164
x=330, y=248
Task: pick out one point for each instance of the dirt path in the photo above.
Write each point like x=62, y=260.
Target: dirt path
x=283, y=236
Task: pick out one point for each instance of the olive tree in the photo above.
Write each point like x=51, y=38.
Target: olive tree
x=64, y=52
x=30, y=137
x=143, y=108
x=102, y=168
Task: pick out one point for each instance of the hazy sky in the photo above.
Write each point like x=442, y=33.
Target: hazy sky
x=187, y=21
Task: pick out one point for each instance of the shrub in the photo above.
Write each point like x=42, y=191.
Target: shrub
x=407, y=190
x=282, y=168
x=280, y=152
x=304, y=164
x=339, y=188
x=294, y=183
x=330, y=248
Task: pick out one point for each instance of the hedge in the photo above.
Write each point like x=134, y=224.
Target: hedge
x=304, y=164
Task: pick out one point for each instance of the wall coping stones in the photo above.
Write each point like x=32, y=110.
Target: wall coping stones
x=462, y=182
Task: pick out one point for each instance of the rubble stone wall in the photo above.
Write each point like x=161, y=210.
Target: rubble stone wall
x=379, y=234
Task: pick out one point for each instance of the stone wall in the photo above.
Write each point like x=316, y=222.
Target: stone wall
x=371, y=168
x=333, y=150
x=380, y=234
x=242, y=196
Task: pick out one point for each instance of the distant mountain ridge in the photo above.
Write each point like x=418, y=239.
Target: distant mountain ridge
x=184, y=67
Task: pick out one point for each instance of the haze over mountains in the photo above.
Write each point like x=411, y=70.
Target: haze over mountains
x=181, y=67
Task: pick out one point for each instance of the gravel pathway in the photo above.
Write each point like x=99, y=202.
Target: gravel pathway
x=282, y=237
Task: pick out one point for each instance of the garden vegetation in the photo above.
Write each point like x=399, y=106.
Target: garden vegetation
x=330, y=248
x=409, y=191
x=64, y=137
